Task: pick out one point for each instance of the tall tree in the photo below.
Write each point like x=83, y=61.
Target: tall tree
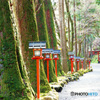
x=63, y=36
x=50, y=24
x=51, y=30
x=74, y=4
x=85, y=52
x=12, y=85
x=28, y=31
x=72, y=26
x=43, y=34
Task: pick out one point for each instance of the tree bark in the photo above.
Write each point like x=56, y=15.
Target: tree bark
x=56, y=23
x=75, y=32
x=50, y=24
x=63, y=36
x=12, y=85
x=51, y=30
x=85, y=52
x=68, y=29
x=44, y=36
x=72, y=24
x=28, y=31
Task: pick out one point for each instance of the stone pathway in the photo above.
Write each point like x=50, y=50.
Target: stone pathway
x=89, y=83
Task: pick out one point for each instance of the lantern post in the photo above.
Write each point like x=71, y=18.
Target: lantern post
x=77, y=60
x=71, y=57
x=47, y=53
x=55, y=57
x=37, y=55
x=89, y=61
x=98, y=57
x=82, y=60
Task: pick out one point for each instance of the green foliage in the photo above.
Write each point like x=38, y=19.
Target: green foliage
x=92, y=10
x=81, y=72
x=1, y=97
x=78, y=2
x=86, y=70
x=98, y=2
x=94, y=59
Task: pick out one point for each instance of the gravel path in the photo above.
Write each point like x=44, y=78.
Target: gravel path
x=89, y=83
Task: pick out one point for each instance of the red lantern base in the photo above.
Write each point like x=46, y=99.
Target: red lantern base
x=47, y=59
x=55, y=58
x=77, y=65
x=36, y=57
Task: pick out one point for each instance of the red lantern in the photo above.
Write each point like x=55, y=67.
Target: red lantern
x=71, y=57
x=82, y=60
x=37, y=54
x=47, y=53
x=55, y=57
x=77, y=60
x=98, y=57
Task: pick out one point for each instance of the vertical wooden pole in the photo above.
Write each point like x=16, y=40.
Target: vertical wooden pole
x=48, y=70
x=56, y=67
x=82, y=65
x=98, y=56
x=77, y=65
x=71, y=66
x=89, y=64
x=38, y=78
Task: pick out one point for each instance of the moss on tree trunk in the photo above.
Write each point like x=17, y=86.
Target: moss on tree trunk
x=51, y=31
x=43, y=35
x=27, y=29
x=50, y=24
x=12, y=85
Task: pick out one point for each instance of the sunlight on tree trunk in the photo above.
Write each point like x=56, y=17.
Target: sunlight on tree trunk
x=74, y=4
x=63, y=36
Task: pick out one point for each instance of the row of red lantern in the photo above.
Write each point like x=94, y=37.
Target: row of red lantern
x=78, y=59
x=39, y=48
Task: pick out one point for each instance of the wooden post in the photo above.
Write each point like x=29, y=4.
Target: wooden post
x=56, y=67
x=48, y=70
x=82, y=65
x=38, y=79
x=78, y=65
x=98, y=56
x=89, y=64
x=71, y=66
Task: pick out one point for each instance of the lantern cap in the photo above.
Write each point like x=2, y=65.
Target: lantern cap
x=72, y=56
x=88, y=59
x=56, y=51
x=37, y=45
x=81, y=58
x=76, y=57
x=70, y=53
x=45, y=51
